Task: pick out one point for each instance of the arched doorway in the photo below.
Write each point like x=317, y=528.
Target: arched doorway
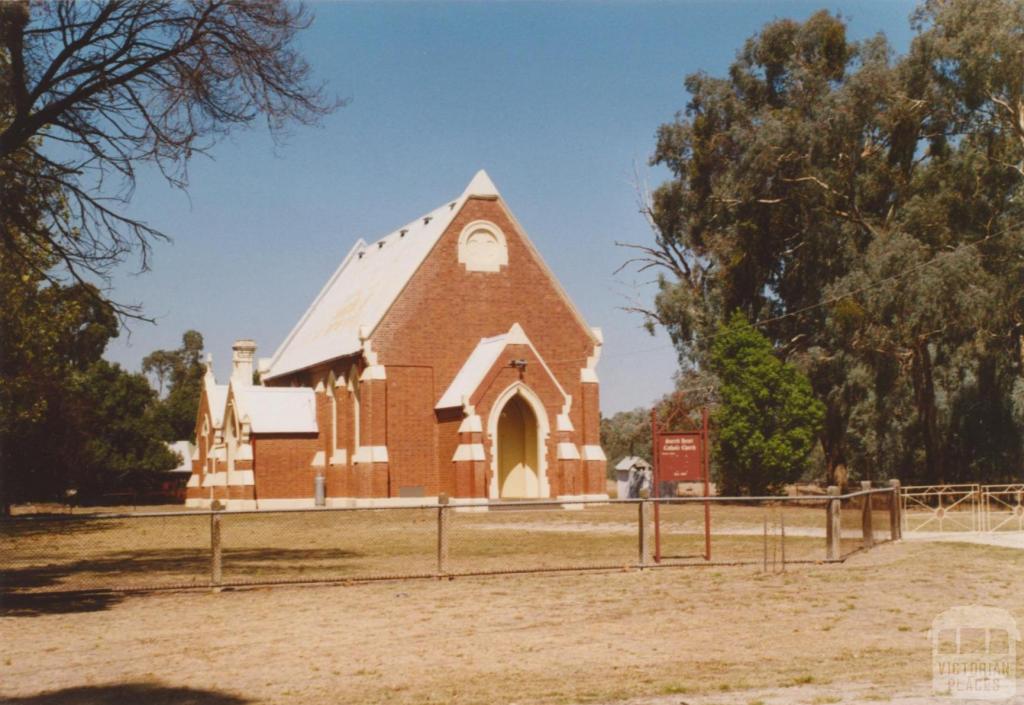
x=518, y=468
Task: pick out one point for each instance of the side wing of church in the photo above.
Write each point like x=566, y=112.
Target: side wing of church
x=443, y=358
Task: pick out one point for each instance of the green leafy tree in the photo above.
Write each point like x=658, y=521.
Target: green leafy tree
x=842, y=197
x=626, y=433
x=113, y=432
x=159, y=365
x=183, y=371
x=68, y=419
x=768, y=419
x=49, y=336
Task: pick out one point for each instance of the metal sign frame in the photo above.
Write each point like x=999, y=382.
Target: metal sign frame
x=702, y=439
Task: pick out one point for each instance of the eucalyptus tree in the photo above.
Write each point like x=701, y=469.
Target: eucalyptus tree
x=864, y=209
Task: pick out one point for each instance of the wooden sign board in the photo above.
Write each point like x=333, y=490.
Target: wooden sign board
x=681, y=457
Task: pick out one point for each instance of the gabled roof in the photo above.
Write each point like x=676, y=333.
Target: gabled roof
x=277, y=409
x=480, y=362
x=473, y=370
x=216, y=395
x=370, y=279
x=630, y=462
x=363, y=288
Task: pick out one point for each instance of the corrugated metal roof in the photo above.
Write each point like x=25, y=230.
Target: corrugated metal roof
x=473, y=370
x=632, y=461
x=363, y=288
x=277, y=409
x=218, y=396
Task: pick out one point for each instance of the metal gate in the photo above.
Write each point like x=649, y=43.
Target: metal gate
x=963, y=507
x=1002, y=507
x=941, y=508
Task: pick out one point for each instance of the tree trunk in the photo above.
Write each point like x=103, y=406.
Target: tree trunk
x=927, y=414
x=833, y=444
x=14, y=17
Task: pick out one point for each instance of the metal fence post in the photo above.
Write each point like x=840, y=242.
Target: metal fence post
x=216, y=576
x=442, y=534
x=867, y=530
x=833, y=525
x=782, y=538
x=643, y=527
x=764, y=545
x=896, y=511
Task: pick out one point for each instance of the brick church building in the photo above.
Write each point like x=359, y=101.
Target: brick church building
x=443, y=358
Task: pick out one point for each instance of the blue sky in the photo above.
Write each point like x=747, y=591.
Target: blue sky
x=558, y=102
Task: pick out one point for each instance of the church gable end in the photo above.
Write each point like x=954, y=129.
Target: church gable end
x=448, y=306
x=373, y=368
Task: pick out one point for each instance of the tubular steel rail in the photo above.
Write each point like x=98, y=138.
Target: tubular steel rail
x=963, y=508
x=1002, y=507
x=941, y=508
x=146, y=551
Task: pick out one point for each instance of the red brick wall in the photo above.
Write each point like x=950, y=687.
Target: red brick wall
x=410, y=430
x=281, y=464
x=445, y=310
x=448, y=422
x=423, y=340
x=289, y=465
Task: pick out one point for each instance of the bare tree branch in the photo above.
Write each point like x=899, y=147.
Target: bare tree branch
x=120, y=83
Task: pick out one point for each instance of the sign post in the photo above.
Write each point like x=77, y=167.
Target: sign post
x=707, y=484
x=681, y=456
x=657, y=485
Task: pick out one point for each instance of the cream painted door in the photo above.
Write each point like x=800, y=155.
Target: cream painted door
x=517, y=451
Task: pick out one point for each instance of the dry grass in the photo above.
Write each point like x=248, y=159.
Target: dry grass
x=160, y=551
x=819, y=633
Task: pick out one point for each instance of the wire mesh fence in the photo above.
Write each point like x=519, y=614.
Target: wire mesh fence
x=867, y=518
x=524, y=537
x=327, y=545
x=220, y=549
x=91, y=553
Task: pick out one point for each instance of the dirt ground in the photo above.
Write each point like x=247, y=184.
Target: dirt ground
x=848, y=633
x=165, y=550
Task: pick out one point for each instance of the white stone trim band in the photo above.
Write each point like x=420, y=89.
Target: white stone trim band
x=370, y=454
x=469, y=451
x=472, y=424
x=568, y=451
x=216, y=479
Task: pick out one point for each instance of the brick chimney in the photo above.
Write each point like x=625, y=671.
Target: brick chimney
x=243, y=352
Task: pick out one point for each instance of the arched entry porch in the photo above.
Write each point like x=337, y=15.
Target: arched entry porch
x=518, y=429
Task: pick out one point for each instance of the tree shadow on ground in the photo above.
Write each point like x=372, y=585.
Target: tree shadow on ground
x=121, y=693
x=46, y=525
x=178, y=567
x=34, y=604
